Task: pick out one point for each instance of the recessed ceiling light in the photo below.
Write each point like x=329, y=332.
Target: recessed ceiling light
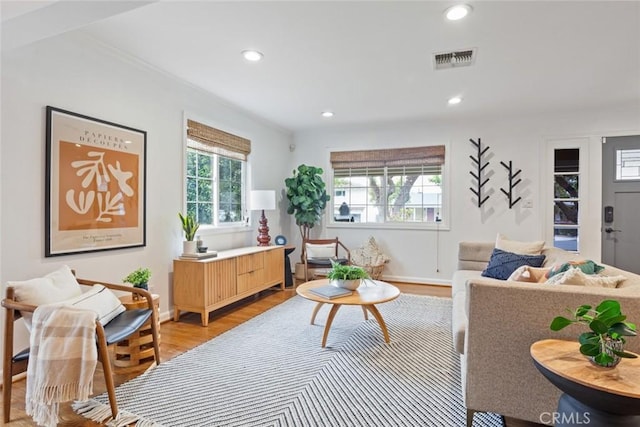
x=455, y=100
x=252, y=55
x=457, y=12
x=327, y=114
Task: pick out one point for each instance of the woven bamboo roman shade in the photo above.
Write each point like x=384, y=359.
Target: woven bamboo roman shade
x=413, y=156
x=212, y=140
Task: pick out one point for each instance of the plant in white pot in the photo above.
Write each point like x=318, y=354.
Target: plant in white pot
x=346, y=276
x=189, y=226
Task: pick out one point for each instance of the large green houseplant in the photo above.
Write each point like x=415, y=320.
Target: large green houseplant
x=604, y=343
x=307, y=196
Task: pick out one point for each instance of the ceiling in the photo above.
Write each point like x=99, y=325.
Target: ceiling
x=368, y=61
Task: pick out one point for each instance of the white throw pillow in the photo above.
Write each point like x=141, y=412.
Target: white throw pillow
x=321, y=250
x=516, y=247
x=57, y=286
x=99, y=299
x=575, y=276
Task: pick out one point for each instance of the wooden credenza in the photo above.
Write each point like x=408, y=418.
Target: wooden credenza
x=201, y=286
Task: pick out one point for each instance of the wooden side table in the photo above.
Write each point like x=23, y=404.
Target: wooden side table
x=592, y=395
x=138, y=348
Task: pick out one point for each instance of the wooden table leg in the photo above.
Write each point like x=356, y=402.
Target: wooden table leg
x=366, y=314
x=315, y=312
x=378, y=316
x=332, y=314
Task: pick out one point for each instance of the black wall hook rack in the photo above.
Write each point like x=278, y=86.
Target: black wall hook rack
x=512, y=184
x=478, y=175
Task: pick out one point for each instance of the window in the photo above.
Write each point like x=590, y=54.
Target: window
x=394, y=186
x=215, y=175
x=566, y=198
x=627, y=165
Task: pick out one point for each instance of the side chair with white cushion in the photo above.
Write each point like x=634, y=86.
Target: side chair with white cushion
x=113, y=323
x=319, y=253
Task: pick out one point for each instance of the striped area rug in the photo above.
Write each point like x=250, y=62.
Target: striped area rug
x=271, y=371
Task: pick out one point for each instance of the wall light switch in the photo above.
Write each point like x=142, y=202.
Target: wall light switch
x=528, y=204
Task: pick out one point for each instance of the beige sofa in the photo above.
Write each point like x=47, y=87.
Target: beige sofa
x=496, y=321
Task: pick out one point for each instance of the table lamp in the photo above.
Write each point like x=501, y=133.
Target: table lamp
x=261, y=200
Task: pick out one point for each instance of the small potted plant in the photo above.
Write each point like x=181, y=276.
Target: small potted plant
x=139, y=279
x=604, y=343
x=346, y=276
x=189, y=226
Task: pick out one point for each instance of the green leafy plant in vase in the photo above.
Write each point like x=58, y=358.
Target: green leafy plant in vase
x=139, y=279
x=604, y=343
x=346, y=276
x=189, y=226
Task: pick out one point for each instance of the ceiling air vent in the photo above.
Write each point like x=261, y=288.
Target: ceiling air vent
x=459, y=58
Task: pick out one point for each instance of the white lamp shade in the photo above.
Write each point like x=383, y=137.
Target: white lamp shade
x=262, y=200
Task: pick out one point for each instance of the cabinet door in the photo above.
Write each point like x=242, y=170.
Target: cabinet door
x=274, y=266
x=220, y=283
x=188, y=284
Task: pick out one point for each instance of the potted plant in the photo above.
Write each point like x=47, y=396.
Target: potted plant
x=346, y=276
x=189, y=226
x=307, y=196
x=604, y=343
x=139, y=279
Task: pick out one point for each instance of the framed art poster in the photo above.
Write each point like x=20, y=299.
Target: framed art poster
x=95, y=184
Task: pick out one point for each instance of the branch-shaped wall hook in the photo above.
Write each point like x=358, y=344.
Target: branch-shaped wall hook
x=512, y=184
x=480, y=168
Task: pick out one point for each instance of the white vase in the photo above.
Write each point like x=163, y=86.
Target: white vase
x=352, y=285
x=189, y=247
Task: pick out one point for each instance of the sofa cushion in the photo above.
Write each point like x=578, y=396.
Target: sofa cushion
x=529, y=274
x=587, y=267
x=503, y=263
x=524, y=248
x=575, y=276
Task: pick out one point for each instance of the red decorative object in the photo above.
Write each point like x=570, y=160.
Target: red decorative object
x=263, y=231
x=261, y=200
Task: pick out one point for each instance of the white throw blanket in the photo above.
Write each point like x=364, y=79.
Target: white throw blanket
x=62, y=360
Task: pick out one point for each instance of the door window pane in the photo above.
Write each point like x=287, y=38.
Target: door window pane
x=566, y=187
x=567, y=160
x=566, y=238
x=566, y=196
x=565, y=213
x=627, y=164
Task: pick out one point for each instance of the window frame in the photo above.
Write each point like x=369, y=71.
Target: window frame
x=582, y=145
x=216, y=227
x=445, y=212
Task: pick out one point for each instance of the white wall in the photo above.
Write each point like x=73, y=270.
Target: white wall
x=72, y=73
x=425, y=256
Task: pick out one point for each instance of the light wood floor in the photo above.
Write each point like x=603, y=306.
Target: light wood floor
x=178, y=337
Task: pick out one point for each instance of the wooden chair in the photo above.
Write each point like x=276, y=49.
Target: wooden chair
x=118, y=329
x=319, y=253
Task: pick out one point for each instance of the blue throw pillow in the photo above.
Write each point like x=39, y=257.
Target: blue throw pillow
x=503, y=263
